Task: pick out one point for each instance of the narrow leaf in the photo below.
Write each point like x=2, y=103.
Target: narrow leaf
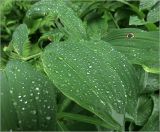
x=20, y=39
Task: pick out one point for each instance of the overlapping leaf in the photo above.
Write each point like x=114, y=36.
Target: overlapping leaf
x=72, y=24
x=153, y=15
x=20, y=39
x=145, y=106
x=140, y=47
x=90, y=73
x=8, y=114
x=153, y=121
x=147, y=4
x=33, y=97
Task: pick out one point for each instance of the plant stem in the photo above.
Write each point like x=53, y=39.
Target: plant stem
x=82, y=118
x=30, y=57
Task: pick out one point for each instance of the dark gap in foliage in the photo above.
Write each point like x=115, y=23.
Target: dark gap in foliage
x=34, y=37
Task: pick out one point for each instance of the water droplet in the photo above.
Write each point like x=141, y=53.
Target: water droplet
x=19, y=96
x=33, y=112
x=90, y=66
x=19, y=121
x=25, y=102
x=23, y=108
x=33, y=81
x=88, y=73
x=11, y=91
x=37, y=88
x=48, y=117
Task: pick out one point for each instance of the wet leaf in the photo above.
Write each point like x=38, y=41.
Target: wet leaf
x=140, y=47
x=20, y=39
x=153, y=15
x=151, y=82
x=147, y=4
x=33, y=96
x=8, y=114
x=145, y=106
x=153, y=121
x=57, y=8
x=90, y=73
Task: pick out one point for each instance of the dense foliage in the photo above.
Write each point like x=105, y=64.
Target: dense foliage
x=80, y=65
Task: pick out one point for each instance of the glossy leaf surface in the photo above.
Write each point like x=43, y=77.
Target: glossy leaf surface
x=20, y=39
x=90, y=73
x=139, y=47
x=33, y=96
x=8, y=114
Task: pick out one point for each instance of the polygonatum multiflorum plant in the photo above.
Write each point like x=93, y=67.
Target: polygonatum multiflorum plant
x=74, y=65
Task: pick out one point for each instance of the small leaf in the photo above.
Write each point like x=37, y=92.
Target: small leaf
x=20, y=39
x=90, y=73
x=153, y=121
x=33, y=96
x=153, y=15
x=72, y=24
x=140, y=47
x=145, y=106
x=147, y=4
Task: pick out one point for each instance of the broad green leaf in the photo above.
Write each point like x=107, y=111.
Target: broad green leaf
x=145, y=106
x=8, y=114
x=140, y=47
x=153, y=121
x=33, y=96
x=20, y=39
x=72, y=24
x=153, y=15
x=90, y=73
x=147, y=4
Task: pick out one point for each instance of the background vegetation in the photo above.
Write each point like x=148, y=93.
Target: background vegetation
x=80, y=65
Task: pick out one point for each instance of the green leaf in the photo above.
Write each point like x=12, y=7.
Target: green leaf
x=97, y=28
x=33, y=96
x=8, y=114
x=90, y=73
x=151, y=82
x=72, y=24
x=134, y=20
x=153, y=122
x=20, y=39
x=147, y=4
x=145, y=106
x=140, y=47
x=153, y=15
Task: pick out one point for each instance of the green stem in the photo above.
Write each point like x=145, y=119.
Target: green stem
x=115, y=22
x=30, y=57
x=61, y=126
x=82, y=118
